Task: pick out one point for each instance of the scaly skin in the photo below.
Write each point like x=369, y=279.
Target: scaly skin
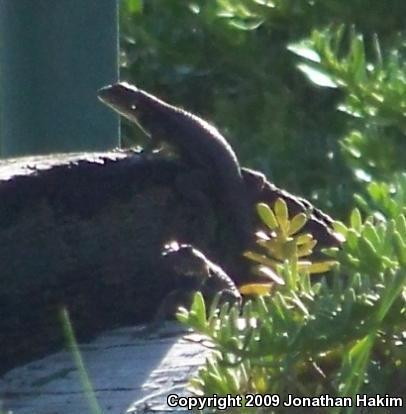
x=199, y=273
x=196, y=141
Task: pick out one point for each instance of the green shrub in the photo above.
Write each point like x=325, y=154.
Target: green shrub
x=343, y=335
x=228, y=61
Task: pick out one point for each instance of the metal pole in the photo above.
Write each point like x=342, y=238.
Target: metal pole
x=54, y=55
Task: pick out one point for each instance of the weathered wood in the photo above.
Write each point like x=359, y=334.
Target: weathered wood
x=127, y=373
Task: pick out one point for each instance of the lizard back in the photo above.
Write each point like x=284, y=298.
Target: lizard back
x=197, y=142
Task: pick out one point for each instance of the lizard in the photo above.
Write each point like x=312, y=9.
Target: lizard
x=196, y=141
x=192, y=272
x=197, y=272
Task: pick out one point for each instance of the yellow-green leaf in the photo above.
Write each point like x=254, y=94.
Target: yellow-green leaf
x=306, y=249
x=282, y=216
x=267, y=216
x=322, y=267
x=275, y=248
x=260, y=258
x=256, y=289
x=304, y=265
x=268, y=272
x=297, y=223
x=304, y=238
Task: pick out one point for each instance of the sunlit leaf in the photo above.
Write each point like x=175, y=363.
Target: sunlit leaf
x=256, y=289
x=305, y=51
x=317, y=76
x=267, y=215
x=246, y=24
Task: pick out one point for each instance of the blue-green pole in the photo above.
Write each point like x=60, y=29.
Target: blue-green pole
x=54, y=56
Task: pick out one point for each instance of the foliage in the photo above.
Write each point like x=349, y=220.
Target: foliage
x=383, y=199
x=228, y=61
x=374, y=95
x=284, y=242
x=340, y=336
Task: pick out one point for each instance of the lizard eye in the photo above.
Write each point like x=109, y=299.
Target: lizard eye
x=133, y=107
x=170, y=247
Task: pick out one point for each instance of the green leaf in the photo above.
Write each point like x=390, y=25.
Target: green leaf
x=247, y=24
x=361, y=203
x=371, y=235
x=282, y=215
x=369, y=255
x=356, y=220
x=357, y=54
x=198, y=310
x=393, y=290
x=352, y=239
x=297, y=223
x=401, y=225
x=182, y=315
x=355, y=365
x=317, y=75
x=340, y=228
x=260, y=258
x=267, y=216
x=305, y=50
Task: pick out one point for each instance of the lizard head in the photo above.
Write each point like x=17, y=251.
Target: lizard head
x=134, y=104
x=185, y=260
x=123, y=98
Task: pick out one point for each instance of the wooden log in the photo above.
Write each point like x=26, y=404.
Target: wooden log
x=86, y=231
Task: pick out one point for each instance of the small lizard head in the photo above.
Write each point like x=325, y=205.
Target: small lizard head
x=186, y=260
x=122, y=97
x=136, y=105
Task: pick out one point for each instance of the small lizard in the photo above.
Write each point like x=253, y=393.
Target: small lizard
x=193, y=272
x=195, y=140
x=197, y=272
